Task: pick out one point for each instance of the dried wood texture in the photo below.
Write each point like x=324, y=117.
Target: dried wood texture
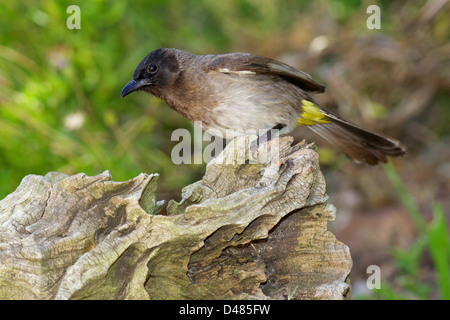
x=245, y=231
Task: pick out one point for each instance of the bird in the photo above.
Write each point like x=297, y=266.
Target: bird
x=231, y=93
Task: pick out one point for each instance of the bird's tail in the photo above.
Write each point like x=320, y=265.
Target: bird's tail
x=358, y=144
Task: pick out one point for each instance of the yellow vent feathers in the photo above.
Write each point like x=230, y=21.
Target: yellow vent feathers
x=311, y=114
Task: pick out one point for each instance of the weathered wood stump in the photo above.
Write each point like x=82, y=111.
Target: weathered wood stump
x=245, y=231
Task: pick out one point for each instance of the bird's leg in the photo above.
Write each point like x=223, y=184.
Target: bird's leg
x=265, y=137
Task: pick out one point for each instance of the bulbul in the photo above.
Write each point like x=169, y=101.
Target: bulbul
x=235, y=92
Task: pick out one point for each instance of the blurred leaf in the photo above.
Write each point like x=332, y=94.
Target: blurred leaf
x=439, y=242
x=405, y=197
x=408, y=260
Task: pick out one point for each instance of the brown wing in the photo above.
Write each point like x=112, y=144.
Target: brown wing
x=245, y=63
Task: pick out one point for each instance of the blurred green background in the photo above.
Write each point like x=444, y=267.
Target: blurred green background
x=60, y=105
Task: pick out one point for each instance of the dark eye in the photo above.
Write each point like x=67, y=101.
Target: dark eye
x=152, y=68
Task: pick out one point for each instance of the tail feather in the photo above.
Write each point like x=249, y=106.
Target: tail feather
x=360, y=145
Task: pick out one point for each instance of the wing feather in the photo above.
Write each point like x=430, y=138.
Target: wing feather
x=248, y=64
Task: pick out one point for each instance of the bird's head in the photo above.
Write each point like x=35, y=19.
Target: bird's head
x=159, y=69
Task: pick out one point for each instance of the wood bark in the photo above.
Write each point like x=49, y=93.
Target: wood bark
x=255, y=227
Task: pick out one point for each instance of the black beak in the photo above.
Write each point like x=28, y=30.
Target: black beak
x=132, y=86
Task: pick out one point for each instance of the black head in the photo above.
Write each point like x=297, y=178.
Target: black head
x=159, y=69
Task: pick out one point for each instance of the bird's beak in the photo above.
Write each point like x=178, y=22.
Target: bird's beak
x=132, y=86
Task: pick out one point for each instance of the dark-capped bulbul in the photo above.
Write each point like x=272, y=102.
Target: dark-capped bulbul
x=236, y=92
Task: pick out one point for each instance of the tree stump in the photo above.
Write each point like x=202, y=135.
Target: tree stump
x=248, y=230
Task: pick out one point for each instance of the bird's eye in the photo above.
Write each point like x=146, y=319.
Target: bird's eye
x=152, y=68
